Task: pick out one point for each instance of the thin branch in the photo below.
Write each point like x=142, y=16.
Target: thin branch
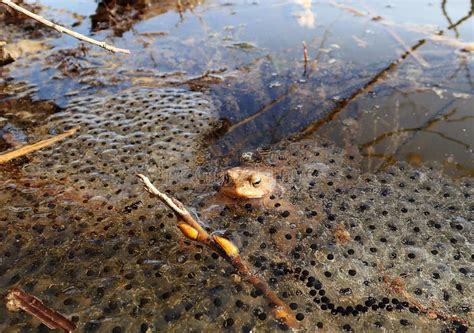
x=428, y=123
x=17, y=300
x=225, y=248
x=61, y=29
x=35, y=146
x=176, y=206
x=464, y=18
x=416, y=130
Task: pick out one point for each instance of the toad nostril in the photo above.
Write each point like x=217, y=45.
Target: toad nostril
x=226, y=179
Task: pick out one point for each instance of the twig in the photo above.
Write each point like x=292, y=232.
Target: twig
x=445, y=13
x=193, y=230
x=35, y=146
x=305, y=54
x=398, y=286
x=61, y=29
x=19, y=300
x=179, y=6
x=177, y=207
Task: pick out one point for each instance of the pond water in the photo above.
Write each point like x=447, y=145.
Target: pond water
x=387, y=78
x=359, y=114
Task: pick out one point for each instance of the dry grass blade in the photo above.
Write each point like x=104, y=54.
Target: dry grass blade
x=35, y=146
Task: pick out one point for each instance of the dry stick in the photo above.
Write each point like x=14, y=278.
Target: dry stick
x=61, y=29
x=177, y=207
x=193, y=230
x=35, y=146
x=17, y=299
x=305, y=54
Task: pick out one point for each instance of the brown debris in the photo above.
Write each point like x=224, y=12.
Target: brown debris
x=203, y=82
x=342, y=235
x=17, y=300
x=5, y=56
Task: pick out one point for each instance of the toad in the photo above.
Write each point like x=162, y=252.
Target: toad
x=249, y=183
x=246, y=188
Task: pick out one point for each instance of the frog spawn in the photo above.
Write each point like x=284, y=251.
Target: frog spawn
x=112, y=259
x=405, y=259
x=75, y=237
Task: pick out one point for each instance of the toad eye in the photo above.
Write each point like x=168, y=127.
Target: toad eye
x=256, y=181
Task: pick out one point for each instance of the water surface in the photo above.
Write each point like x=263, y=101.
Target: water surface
x=387, y=78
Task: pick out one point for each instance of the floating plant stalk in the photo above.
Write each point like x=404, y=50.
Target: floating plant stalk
x=225, y=248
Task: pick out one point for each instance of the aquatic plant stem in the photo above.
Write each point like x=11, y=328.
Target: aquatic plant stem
x=62, y=29
x=306, y=57
x=35, y=146
x=225, y=248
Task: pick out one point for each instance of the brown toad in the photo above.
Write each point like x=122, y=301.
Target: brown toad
x=248, y=183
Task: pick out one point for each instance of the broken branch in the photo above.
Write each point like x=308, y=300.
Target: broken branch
x=17, y=300
x=61, y=29
x=35, y=146
x=177, y=207
x=226, y=249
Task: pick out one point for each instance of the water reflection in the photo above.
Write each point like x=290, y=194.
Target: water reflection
x=305, y=17
x=120, y=16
